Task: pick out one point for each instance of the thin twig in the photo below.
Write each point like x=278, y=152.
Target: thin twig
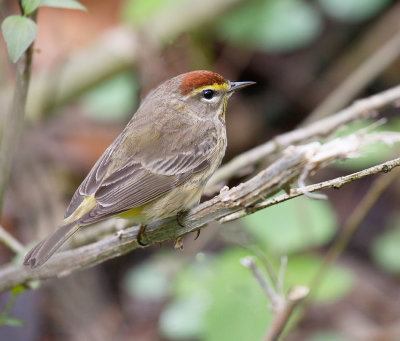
x=353, y=223
x=333, y=183
x=295, y=296
x=281, y=275
x=276, y=300
x=268, y=266
x=302, y=186
x=10, y=242
x=282, y=306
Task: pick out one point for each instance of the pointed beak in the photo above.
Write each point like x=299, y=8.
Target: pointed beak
x=233, y=86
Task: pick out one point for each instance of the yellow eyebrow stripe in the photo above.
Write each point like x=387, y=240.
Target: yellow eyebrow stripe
x=215, y=86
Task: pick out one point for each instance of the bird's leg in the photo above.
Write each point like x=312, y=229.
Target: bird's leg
x=140, y=235
x=180, y=216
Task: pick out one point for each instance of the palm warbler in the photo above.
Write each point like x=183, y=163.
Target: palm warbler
x=160, y=163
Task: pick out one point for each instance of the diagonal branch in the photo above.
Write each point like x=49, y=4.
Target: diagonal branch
x=239, y=201
x=10, y=242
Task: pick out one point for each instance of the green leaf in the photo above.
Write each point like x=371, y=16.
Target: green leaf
x=114, y=99
x=292, y=226
x=19, y=33
x=353, y=10
x=30, y=6
x=272, y=25
x=149, y=281
x=69, y=4
x=12, y=321
x=336, y=283
x=140, y=12
x=386, y=247
x=194, y=277
x=19, y=289
x=370, y=155
x=234, y=305
x=239, y=308
x=226, y=302
x=183, y=318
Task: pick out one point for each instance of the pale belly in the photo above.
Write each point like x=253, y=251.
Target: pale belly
x=179, y=199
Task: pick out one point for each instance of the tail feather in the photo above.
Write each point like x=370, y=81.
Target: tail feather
x=39, y=254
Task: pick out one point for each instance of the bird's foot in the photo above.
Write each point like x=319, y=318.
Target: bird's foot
x=180, y=216
x=140, y=234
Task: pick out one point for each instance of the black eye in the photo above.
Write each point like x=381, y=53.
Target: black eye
x=208, y=94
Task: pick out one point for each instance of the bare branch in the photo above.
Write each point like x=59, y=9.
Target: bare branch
x=294, y=297
x=360, y=109
x=9, y=241
x=333, y=183
x=369, y=69
x=232, y=204
x=276, y=299
x=282, y=305
x=335, y=149
x=236, y=202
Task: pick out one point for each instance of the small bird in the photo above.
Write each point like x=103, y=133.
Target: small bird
x=160, y=163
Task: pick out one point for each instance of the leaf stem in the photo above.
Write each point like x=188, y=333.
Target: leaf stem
x=13, y=122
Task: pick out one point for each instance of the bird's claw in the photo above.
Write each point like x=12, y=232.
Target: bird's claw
x=140, y=235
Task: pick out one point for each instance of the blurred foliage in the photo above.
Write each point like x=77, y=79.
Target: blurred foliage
x=272, y=25
x=373, y=153
x=184, y=318
x=67, y=4
x=223, y=301
x=29, y=6
x=325, y=335
x=336, y=283
x=114, y=99
x=237, y=308
x=215, y=298
x=5, y=318
x=293, y=225
x=141, y=12
x=149, y=281
x=386, y=247
x=353, y=10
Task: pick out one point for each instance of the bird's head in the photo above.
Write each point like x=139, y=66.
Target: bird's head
x=204, y=93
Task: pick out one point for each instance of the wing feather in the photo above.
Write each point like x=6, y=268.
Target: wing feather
x=128, y=175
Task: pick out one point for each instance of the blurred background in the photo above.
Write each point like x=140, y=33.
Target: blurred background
x=309, y=59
